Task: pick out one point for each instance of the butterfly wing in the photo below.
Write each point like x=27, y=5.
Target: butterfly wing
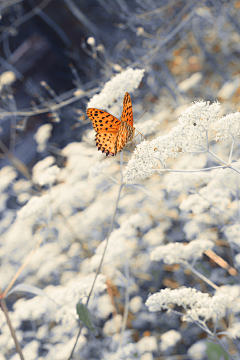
x=113, y=134
x=106, y=142
x=126, y=130
x=127, y=113
x=102, y=120
x=124, y=135
x=106, y=126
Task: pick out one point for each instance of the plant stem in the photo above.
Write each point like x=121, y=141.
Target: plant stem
x=103, y=255
x=5, y=310
x=126, y=307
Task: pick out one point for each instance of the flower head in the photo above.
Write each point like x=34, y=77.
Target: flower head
x=228, y=126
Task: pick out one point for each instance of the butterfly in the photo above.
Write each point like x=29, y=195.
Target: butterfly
x=113, y=134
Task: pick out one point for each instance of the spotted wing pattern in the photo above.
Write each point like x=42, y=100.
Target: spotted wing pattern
x=106, y=142
x=113, y=134
x=124, y=135
x=106, y=126
x=126, y=130
x=103, y=121
x=127, y=114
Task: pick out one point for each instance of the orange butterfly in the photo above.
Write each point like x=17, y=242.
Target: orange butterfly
x=113, y=134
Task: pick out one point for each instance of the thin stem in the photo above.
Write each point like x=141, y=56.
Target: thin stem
x=25, y=263
x=204, y=327
x=190, y=171
x=224, y=347
x=231, y=152
x=209, y=282
x=237, y=196
x=50, y=106
x=103, y=255
x=104, y=251
x=224, y=162
x=216, y=157
x=5, y=311
x=126, y=307
x=207, y=141
x=233, y=168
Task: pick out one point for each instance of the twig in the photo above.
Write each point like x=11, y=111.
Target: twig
x=126, y=307
x=25, y=264
x=103, y=255
x=5, y=310
x=201, y=276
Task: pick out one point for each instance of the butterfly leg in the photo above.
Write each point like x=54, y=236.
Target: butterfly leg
x=129, y=149
x=135, y=142
x=141, y=135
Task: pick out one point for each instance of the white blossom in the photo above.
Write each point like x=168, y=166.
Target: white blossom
x=91, y=41
x=135, y=304
x=198, y=350
x=42, y=135
x=151, y=156
x=49, y=176
x=228, y=89
x=234, y=291
x=232, y=233
x=197, y=305
x=191, y=82
x=169, y=339
x=7, y=78
x=227, y=126
x=201, y=114
x=237, y=260
x=39, y=170
x=116, y=88
x=234, y=330
x=147, y=344
x=105, y=306
x=99, y=168
x=22, y=186
x=127, y=352
x=187, y=182
x=7, y=175
x=177, y=252
x=206, y=198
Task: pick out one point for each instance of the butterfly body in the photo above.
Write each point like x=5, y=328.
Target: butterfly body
x=113, y=134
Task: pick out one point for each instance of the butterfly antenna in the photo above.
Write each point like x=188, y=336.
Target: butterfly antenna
x=141, y=116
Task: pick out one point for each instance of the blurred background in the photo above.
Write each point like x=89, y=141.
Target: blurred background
x=55, y=55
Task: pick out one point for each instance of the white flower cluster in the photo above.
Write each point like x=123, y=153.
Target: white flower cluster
x=150, y=157
x=198, y=306
x=120, y=244
x=186, y=182
x=98, y=169
x=7, y=176
x=144, y=348
x=232, y=233
x=208, y=196
x=7, y=78
x=169, y=339
x=116, y=88
x=197, y=351
x=177, y=252
x=44, y=173
x=63, y=308
x=227, y=126
x=201, y=114
x=42, y=135
x=128, y=351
